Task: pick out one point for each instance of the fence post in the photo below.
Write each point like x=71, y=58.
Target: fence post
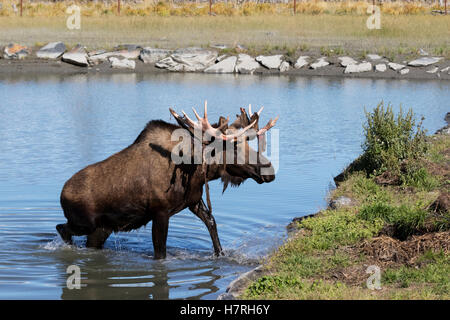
x=21, y=6
x=118, y=7
x=295, y=6
x=210, y=5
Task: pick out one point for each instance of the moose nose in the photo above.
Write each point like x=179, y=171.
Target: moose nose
x=268, y=178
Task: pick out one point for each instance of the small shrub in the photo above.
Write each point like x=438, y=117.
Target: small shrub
x=390, y=140
x=406, y=221
x=267, y=284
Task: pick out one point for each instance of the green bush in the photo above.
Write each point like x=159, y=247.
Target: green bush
x=406, y=221
x=391, y=139
x=270, y=283
x=418, y=177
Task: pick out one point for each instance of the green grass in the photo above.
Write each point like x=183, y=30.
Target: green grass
x=435, y=272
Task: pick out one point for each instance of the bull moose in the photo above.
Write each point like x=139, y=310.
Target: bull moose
x=142, y=183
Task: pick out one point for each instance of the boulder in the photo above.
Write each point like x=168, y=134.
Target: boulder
x=356, y=68
x=225, y=66
x=446, y=69
x=321, y=62
x=77, y=56
x=374, y=57
x=246, y=64
x=284, y=66
x=132, y=53
x=381, y=67
x=52, y=50
x=220, y=58
x=424, y=61
x=346, y=61
x=301, y=62
x=117, y=63
x=219, y=46
x=423, y=52
x=341, y=202
x=270, y=62
x=396, y=66
x=404, y=71
x=153, y=55
x=188, y=60
x=433, y=70
x=16, y=51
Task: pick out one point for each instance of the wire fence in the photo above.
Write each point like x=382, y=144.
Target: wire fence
x=18, y=5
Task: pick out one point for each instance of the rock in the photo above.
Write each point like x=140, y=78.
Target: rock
x=16, y=51
x=96, y=52
x=52, y=50
x=301, y=62
x=225, y=66
x=374, y=57
x=445, y=69
x=404, y=71
x=356, y=68
x=380, y=67
x=424, y=61
x=99, y=58
x=346, y=61
x=433, y=70
x=117, y=63
x=219, y=46
x=127, y=47
x=77, y=56
x=220, y=58
x=294, y=223
x=270, y=62
x=321, y=62
x=129, y=53
x=423, y=52
x=341, y=202
x=447, y=117
x=284, y=66
x=188, y=60
x=241, y=48
x=246, y=64
x=153, y=55
x=396, y=66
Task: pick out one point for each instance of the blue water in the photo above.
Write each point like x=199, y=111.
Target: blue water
x=53, y=126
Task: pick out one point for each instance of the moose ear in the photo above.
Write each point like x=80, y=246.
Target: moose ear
x=222, y=124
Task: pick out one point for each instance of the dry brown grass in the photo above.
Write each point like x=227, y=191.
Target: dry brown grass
x=309, y=31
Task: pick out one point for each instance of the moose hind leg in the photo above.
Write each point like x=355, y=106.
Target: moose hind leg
x=97, y=238
x=201, y=211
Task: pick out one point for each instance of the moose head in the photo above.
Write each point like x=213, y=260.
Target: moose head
x=225, y=148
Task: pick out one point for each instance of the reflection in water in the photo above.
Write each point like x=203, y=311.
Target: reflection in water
x=52, y=126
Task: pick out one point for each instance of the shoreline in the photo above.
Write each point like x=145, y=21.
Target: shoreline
x=238, y=286
x=38, y=66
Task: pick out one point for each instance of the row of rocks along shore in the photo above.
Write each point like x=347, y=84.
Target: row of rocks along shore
x=209, y=60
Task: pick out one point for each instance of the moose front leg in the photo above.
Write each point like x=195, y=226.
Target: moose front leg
x=201, y=211
x=160, y=226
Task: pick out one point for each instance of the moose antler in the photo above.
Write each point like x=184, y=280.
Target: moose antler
x=204, y=125
x=256, y=115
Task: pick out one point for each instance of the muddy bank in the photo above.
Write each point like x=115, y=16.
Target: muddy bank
x=58, y=67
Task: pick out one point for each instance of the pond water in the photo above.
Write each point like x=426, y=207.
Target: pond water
x=53, y=126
